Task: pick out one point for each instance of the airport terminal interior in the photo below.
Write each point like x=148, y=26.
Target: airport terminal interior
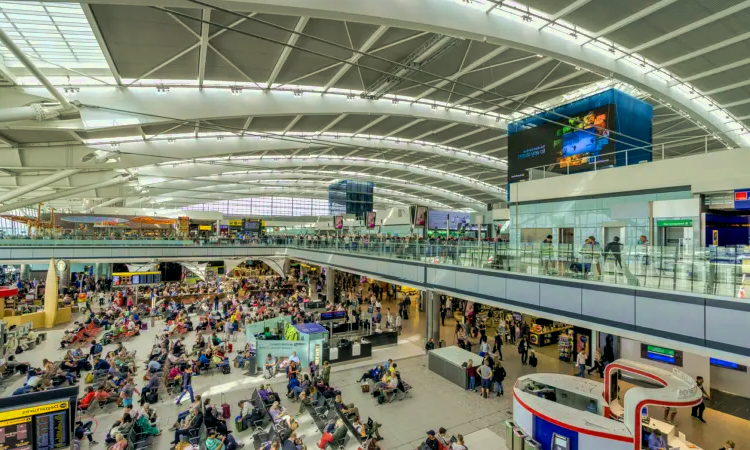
x=396, y=225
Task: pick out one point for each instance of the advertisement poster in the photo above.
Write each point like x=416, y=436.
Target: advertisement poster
x=370, y=220
x=566, y=146
x=439, y=220
x=338, y=222
x=421, y=213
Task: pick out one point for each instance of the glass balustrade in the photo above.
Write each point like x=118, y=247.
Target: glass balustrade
x=714, y=271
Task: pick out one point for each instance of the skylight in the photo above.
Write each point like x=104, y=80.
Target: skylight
x=51, y=34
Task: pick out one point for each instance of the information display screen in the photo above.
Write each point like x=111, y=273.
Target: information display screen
x=568, y=146
x=38, y=421
x=252, y=225
x=437, y=219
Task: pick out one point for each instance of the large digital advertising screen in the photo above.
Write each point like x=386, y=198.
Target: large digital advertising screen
x=566, y=146
x=338, y=222
x=452, y=219
x=421, y=213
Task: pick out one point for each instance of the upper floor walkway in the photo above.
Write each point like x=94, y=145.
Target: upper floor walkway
x=645, y=293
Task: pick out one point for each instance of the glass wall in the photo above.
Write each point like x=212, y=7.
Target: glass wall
x=571, y=222
x=267, y=206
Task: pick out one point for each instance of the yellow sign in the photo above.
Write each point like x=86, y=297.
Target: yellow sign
x=9, y=423
x=235, y=223
x=204, y=227
x=716, y=237
x=33, y=411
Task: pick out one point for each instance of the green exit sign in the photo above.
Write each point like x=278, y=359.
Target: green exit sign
x=675, y=223
x=660, y=350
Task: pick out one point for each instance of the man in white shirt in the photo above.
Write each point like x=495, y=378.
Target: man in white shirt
x=581, y=363
x=294, y=358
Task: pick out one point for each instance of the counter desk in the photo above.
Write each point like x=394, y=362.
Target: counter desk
x=346, y=353
x=448, y=363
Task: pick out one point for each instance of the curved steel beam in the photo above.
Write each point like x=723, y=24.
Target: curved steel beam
x=203, y=167
x=107, y=107
x=250, y=178
x=454, y=19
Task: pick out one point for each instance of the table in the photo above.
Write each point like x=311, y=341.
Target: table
x=543, y=339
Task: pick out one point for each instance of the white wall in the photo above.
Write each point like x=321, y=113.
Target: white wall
x=692, y=364
x=703, y=172
x=732, y=381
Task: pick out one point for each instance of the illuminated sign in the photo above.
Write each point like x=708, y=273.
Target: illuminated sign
x=661, y=354
x=727, y=365
x=204, y=227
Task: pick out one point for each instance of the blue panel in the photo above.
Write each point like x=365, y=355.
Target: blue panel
x=544, y=430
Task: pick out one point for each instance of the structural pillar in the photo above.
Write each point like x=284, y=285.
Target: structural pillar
x=330, y=284
x=432, y=304
x=25, y=272
x=64, y=277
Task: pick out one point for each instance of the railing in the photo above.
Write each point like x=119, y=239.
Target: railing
x=607, y=160
x=715, y=271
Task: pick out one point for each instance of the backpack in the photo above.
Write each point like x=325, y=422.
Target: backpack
x=89, y=378
x=225, y=369
x=381, y=398
x=152, y=397
x=98, y=348
x=87, y=365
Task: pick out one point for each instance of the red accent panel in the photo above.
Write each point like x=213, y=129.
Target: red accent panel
x=612, y=366
x=8, y=292
x=613, y=437
x=639, y=429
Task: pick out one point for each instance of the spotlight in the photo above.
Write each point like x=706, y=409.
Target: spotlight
x=395, y=101
x=434, y=106
x=263, y=137
x=350, y=96
x=170, y=141
x=527, y=18
x=468, y=113
x=72, y=90
x=298, y=93
x=219, y=138
x=497, y=119
x=114, y=144
x=539, y=55
x=161, y=89
x=235, y=90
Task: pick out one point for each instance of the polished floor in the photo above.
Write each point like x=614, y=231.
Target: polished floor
x=435, y=402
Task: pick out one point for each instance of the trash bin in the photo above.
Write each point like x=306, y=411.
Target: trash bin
x=518, y=437
x=531, y=444
x=509, y=425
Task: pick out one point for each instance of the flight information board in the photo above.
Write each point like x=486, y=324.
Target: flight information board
x=38, y=422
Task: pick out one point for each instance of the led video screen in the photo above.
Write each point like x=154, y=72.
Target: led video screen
x=567, y=146
x=452, y=219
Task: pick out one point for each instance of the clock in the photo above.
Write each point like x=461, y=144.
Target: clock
x=61, y=266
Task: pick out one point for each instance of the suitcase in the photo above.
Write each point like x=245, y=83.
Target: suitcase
x=144, y=326
x=225, y=411
x=229, y=346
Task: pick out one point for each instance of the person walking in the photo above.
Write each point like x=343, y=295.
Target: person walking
x=485, y=373
x=498, y=376
x=700, y=407
x=498, y=348
x=187, y=385
x=614, y=247
x=546, y=254
x=523, y=349
x=443, y=312
x=597, y=364
x=581, y=363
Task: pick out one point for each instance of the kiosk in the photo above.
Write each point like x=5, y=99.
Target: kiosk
x=562, y=412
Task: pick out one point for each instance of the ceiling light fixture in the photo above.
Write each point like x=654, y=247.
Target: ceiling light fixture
x=350, y=96
x=71, y=90
x=235, y=90
x=161, y=89
x=170, y=141
x=298, y=93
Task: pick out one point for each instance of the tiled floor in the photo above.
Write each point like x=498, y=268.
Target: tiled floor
x=435, y=401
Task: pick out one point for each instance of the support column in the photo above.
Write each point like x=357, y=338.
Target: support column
x=25, y=272
x=330, y=284
x=64, y=277
x=432, y=305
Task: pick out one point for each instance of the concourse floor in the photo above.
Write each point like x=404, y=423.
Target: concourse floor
x=435, y=402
